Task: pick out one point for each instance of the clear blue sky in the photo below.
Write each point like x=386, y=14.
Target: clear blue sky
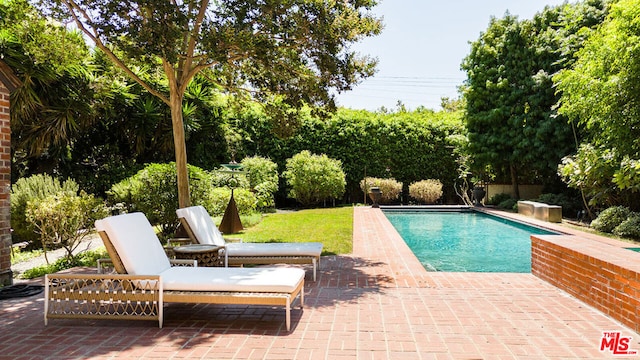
x=422, y=46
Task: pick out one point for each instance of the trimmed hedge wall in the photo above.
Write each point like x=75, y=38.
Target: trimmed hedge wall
x=407, y=146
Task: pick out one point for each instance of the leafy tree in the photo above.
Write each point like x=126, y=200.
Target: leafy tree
x=55, y=100
x=515, y=130
x=601, y=93
x=133, y=128
x=591, y=170
x=287, y=52
x=509, y=98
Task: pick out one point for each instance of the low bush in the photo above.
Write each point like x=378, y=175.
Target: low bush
x=262, y=174
x=154, y=191
x=314, y=178
x=426, y=191
x=610, y=218
x=33, y=189
x=63, y=220
x=630, y=228
x=86, y=258
x=498, y=198
x=391, y=189
x=219, y=199
x=509, y=204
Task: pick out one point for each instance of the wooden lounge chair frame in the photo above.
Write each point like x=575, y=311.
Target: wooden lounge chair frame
x=121, y=296
x=256, y=260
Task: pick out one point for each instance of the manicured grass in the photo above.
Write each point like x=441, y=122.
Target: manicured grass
x=332, y=227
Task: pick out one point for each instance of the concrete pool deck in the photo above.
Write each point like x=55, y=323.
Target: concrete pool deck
x=376, y=303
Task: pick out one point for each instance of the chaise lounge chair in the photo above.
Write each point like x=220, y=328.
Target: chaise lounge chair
x=201, y=229
x=150, y=280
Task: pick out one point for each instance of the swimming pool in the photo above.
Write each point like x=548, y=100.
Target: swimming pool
x=466, y=241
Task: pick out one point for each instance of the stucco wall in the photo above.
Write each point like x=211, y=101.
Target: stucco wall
x=527, y=192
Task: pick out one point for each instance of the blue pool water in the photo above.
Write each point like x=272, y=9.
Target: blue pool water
x=466, y=241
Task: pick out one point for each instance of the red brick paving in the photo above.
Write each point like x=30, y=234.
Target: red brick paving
x=377, y=303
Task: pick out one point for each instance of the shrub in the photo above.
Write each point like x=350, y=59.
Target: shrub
x=33, y=189
x=86, y=258
x=390, y=188
x=426, y=191
x=610, y=218
x=314, y=178
x=262, y=174
x=219, y=199
x=64, y=219
x=154, y=191
x=498, y=198
x=630, y=228
x=509, y=204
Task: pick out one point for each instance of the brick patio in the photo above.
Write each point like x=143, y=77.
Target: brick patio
x=377, y=303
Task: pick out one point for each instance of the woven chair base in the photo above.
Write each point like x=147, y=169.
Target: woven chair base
x=129, y=297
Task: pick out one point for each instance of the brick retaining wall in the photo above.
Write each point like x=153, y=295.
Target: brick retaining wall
x=602, y=275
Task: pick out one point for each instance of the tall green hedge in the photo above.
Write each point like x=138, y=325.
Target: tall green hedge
x=407, y=146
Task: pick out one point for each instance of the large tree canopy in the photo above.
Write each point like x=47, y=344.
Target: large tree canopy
x=54, y=101
x=602, y=90
x=509, y=97
x=601, y=93
x=291, y=52
x=514, y=128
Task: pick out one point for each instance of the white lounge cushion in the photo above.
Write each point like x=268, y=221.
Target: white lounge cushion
x=274, y=249
x=202, y=225
x=136, y=243
x=275, y=280
x=206, y=232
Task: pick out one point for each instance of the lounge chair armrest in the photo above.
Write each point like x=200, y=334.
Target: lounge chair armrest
x=183, y=262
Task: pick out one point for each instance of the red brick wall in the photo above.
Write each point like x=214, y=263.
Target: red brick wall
x=5, y=186
x=602, y=275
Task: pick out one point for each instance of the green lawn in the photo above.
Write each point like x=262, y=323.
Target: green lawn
x=332, y=227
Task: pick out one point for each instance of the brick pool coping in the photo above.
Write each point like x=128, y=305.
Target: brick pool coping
x=598, y=270
x=604, y=276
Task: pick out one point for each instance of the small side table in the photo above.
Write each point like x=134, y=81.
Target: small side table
x=206, y=255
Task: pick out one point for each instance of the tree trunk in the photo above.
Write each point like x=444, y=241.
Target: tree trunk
x=514, y=181
x=184, y=198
